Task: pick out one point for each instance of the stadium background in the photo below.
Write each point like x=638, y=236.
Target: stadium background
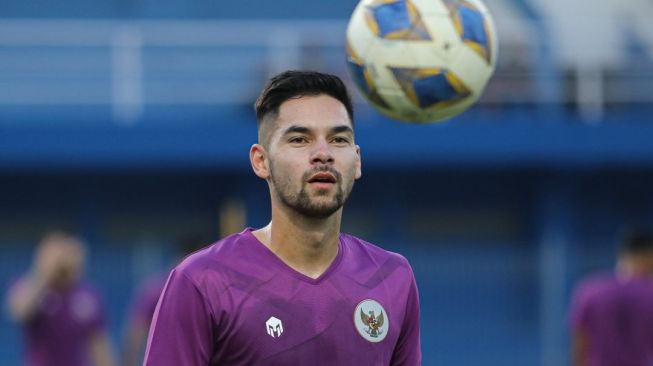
x=130, y=121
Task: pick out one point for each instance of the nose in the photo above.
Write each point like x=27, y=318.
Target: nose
x=322, y=153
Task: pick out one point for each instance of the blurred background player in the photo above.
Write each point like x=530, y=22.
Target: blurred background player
x=144, y=302
x=62, y=315
x=140, y=316
x=612, y=314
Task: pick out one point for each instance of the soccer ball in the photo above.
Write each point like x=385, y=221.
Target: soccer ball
x=421, y=60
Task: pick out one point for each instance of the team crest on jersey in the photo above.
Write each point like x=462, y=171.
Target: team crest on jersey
x=371, y=320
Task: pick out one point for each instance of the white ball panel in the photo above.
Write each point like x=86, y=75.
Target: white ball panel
x=436, y=54
x=470, y=68
x=430, y=7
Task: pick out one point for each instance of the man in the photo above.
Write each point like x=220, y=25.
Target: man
x=297, y=291
x=61, y=315
x=140, y=315
x=612, y=314
x=144, y=303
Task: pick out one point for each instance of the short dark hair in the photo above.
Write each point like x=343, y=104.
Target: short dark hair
x=293, y=84
x=637, y=241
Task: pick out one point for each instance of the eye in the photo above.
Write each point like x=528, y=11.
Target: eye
x=340, y=140
x=298, y=140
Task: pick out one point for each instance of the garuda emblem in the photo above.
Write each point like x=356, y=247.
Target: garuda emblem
x=371, y=320
x=374, y=323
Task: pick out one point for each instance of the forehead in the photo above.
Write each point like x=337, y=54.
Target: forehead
x=314, y=112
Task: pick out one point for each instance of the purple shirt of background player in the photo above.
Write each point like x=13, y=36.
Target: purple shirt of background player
x=61, y=315
x=144, y=303
x=615, y=316
x=140, y=316
x=60, y=330
x=612, y=314
x=236, y=303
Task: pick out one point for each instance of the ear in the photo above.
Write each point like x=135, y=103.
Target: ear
x=258, y=157
x=358, y=162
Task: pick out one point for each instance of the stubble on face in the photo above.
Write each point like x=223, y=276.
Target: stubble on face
x=297, y=197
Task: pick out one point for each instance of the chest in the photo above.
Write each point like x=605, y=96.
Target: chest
x=69, y=313
x=331, y=323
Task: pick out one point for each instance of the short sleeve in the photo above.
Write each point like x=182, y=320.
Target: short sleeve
x=407, y=351
x=181, y=331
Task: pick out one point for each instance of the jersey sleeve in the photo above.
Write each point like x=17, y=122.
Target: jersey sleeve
x=408, y=352
x=181, y=333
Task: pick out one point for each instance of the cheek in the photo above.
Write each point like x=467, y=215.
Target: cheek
x=286, y=168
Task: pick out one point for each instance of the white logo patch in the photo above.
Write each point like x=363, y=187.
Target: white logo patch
x=84, y=306
x=274, y=327
x=371, y=320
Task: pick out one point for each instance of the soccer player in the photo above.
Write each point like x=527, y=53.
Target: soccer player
x=144, y=302
x=140, y=315
x=297, y=291
x=612, y=314
x=62, y=316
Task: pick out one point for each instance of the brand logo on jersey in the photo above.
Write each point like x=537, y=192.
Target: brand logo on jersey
x=84, y=306
x=274, y=327
x=371, y=320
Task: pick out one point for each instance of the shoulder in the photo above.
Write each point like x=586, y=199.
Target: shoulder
x=593, y=286
x=215, y=260
x=374, y=261
x=365, y=250
x=597, y=280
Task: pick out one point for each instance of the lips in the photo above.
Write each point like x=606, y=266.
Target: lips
x=322, y=177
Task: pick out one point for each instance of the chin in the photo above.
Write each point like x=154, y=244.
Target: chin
x=321, y=212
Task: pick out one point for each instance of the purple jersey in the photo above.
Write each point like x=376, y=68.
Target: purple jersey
x=616, y=316
x=237, y=303
x=60, y=330
x=145, y=300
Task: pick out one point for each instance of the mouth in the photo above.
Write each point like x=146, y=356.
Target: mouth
x=322, y=180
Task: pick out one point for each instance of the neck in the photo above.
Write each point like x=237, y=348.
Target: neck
x=307, y=245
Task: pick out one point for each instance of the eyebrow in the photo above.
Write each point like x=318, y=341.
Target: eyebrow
x=296, y=129
x=306, y=130
x=341, y=129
